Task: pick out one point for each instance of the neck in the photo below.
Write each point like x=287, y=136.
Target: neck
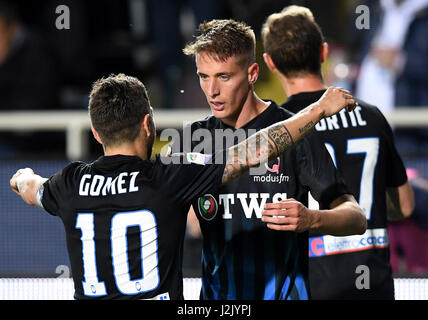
x=128, y=149
x=252, y=107
x=306, y=83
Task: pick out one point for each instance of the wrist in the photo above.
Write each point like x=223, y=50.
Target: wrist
x=318, y=109
x=315, y=220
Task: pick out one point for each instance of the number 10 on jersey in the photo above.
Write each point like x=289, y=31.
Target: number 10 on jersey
x=120, y=222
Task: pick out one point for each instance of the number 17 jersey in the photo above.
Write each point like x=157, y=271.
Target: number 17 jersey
x=362, y=147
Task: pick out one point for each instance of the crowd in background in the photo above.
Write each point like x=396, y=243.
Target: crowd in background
x=46, y=68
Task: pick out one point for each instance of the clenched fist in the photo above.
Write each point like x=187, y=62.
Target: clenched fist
x=335, y=99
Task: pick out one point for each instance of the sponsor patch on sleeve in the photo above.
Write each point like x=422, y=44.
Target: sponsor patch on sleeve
x=198, y=158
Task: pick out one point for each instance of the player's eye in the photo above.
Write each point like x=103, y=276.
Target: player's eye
x=224, y=77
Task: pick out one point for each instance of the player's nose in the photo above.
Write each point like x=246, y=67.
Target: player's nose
x=213, y=89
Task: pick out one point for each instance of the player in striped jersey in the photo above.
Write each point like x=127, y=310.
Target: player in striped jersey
x=362, y=147
x=242, y=258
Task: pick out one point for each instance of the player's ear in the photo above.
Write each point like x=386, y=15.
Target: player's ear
x=324, y=52
x=147, y=125
x=269, y=62
x=96, y=135
x=253, y=73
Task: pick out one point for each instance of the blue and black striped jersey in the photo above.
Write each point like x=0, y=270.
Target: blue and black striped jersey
x=242, y=258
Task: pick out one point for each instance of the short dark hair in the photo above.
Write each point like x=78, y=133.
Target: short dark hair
x=117, y=104
x=293, y=39
x=224, y=38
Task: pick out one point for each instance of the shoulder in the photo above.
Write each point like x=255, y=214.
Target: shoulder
x=368, y=108
x=73, y=169
x=284, y=112
x=58, y=185
x=209, y=122
x=373, y=112
x=184, y=158
x=58, y=188
x=311, y=143
x=183, y=141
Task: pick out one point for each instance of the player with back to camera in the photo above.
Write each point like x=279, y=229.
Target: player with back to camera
x=124, y=214
x=241, y=257
x=362, y=146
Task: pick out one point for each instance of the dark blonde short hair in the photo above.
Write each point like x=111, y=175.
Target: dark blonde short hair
x=223, y=39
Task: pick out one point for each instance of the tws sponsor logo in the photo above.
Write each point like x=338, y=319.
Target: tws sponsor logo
x=252, y=204
x=328, y=245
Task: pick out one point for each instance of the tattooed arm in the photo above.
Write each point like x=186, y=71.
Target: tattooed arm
x=270, y=142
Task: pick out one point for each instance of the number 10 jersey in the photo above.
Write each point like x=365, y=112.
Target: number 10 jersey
x=125, y=222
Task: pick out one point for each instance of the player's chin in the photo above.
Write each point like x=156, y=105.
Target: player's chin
x=220, y=114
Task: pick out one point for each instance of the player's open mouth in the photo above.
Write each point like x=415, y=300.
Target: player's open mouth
x=217, y=106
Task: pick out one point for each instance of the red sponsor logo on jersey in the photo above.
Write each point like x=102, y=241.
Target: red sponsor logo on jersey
x=275, y=167
x=316, y=247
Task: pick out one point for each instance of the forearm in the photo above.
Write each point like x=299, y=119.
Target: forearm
x=270, y=142
x=274, y=140
x=400, y=202
x=343, y=219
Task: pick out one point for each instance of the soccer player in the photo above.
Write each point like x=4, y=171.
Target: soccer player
x=125, y=215
x=362, y=147
x=242, y=258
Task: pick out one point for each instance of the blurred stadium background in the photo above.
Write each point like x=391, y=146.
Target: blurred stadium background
x=46, y=74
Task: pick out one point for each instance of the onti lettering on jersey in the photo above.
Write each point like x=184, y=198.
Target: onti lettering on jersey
x=343, y=119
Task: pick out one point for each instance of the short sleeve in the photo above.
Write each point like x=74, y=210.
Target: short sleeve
x=395, y=167
x=190, y=175
x=317, y=171
x=54, y=192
